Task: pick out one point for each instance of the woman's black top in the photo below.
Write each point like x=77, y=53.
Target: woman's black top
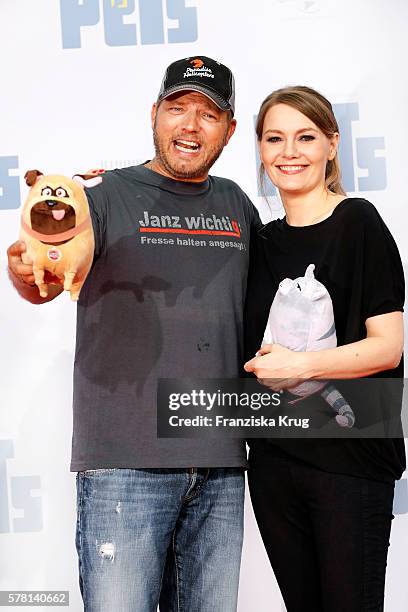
x=357, y=260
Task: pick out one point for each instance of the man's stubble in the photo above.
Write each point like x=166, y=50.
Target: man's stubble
x=177, y=170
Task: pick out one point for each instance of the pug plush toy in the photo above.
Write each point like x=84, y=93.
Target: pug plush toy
x=57, y=230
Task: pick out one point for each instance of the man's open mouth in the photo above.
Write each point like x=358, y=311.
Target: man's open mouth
x=187, y=146
x=52, y=217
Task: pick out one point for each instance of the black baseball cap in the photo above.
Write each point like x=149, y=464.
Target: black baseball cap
x=202, y=74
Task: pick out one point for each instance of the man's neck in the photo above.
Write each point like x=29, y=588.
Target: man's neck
x=156, y=166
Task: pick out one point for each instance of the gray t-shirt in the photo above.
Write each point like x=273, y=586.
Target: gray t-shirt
x=164, y=299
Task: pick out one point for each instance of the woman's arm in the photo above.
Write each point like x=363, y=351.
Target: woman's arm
x=381, y=350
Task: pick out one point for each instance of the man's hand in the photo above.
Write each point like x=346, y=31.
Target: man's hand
x=276, y=367
x=24, y=272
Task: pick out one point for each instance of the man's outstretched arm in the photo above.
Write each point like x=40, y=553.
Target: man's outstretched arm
x=22, y=277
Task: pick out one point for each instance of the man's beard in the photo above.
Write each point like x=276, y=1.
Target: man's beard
x=177, y=169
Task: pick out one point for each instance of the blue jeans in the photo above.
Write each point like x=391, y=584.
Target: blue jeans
x=168, y=537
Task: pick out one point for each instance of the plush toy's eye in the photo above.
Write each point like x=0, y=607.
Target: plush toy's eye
x=61, y=193
x=47, y=191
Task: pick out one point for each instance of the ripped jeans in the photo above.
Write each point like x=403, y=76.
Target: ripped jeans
x=167, y=537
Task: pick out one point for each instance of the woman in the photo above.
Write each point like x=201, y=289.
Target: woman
x=324, y=506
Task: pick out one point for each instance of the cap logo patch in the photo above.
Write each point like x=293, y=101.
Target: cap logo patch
x=198, y=70
x=197, y=63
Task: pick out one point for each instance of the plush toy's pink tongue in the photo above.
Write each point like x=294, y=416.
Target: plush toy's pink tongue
x=58, y=214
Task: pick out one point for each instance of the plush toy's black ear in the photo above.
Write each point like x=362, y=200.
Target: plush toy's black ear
x=31, y=177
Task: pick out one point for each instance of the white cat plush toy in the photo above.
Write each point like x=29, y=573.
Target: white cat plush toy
x=301, y=318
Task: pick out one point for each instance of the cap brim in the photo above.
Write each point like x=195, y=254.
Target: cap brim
x=222, y=104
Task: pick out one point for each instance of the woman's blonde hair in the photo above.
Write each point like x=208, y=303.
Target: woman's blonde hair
x=319, y=110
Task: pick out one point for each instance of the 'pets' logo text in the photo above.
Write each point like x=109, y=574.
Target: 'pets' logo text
x=16, y=497
x=151, y=28
x=362, y=169
x=9, y=184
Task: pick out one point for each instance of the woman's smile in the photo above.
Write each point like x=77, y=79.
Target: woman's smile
x=291, y=169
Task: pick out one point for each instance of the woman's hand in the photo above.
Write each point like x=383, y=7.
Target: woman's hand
x=277, y=367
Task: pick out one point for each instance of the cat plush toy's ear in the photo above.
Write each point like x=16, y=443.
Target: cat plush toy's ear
x=32, y=176
x=90, y=178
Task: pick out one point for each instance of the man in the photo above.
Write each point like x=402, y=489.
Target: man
x=160, y=520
